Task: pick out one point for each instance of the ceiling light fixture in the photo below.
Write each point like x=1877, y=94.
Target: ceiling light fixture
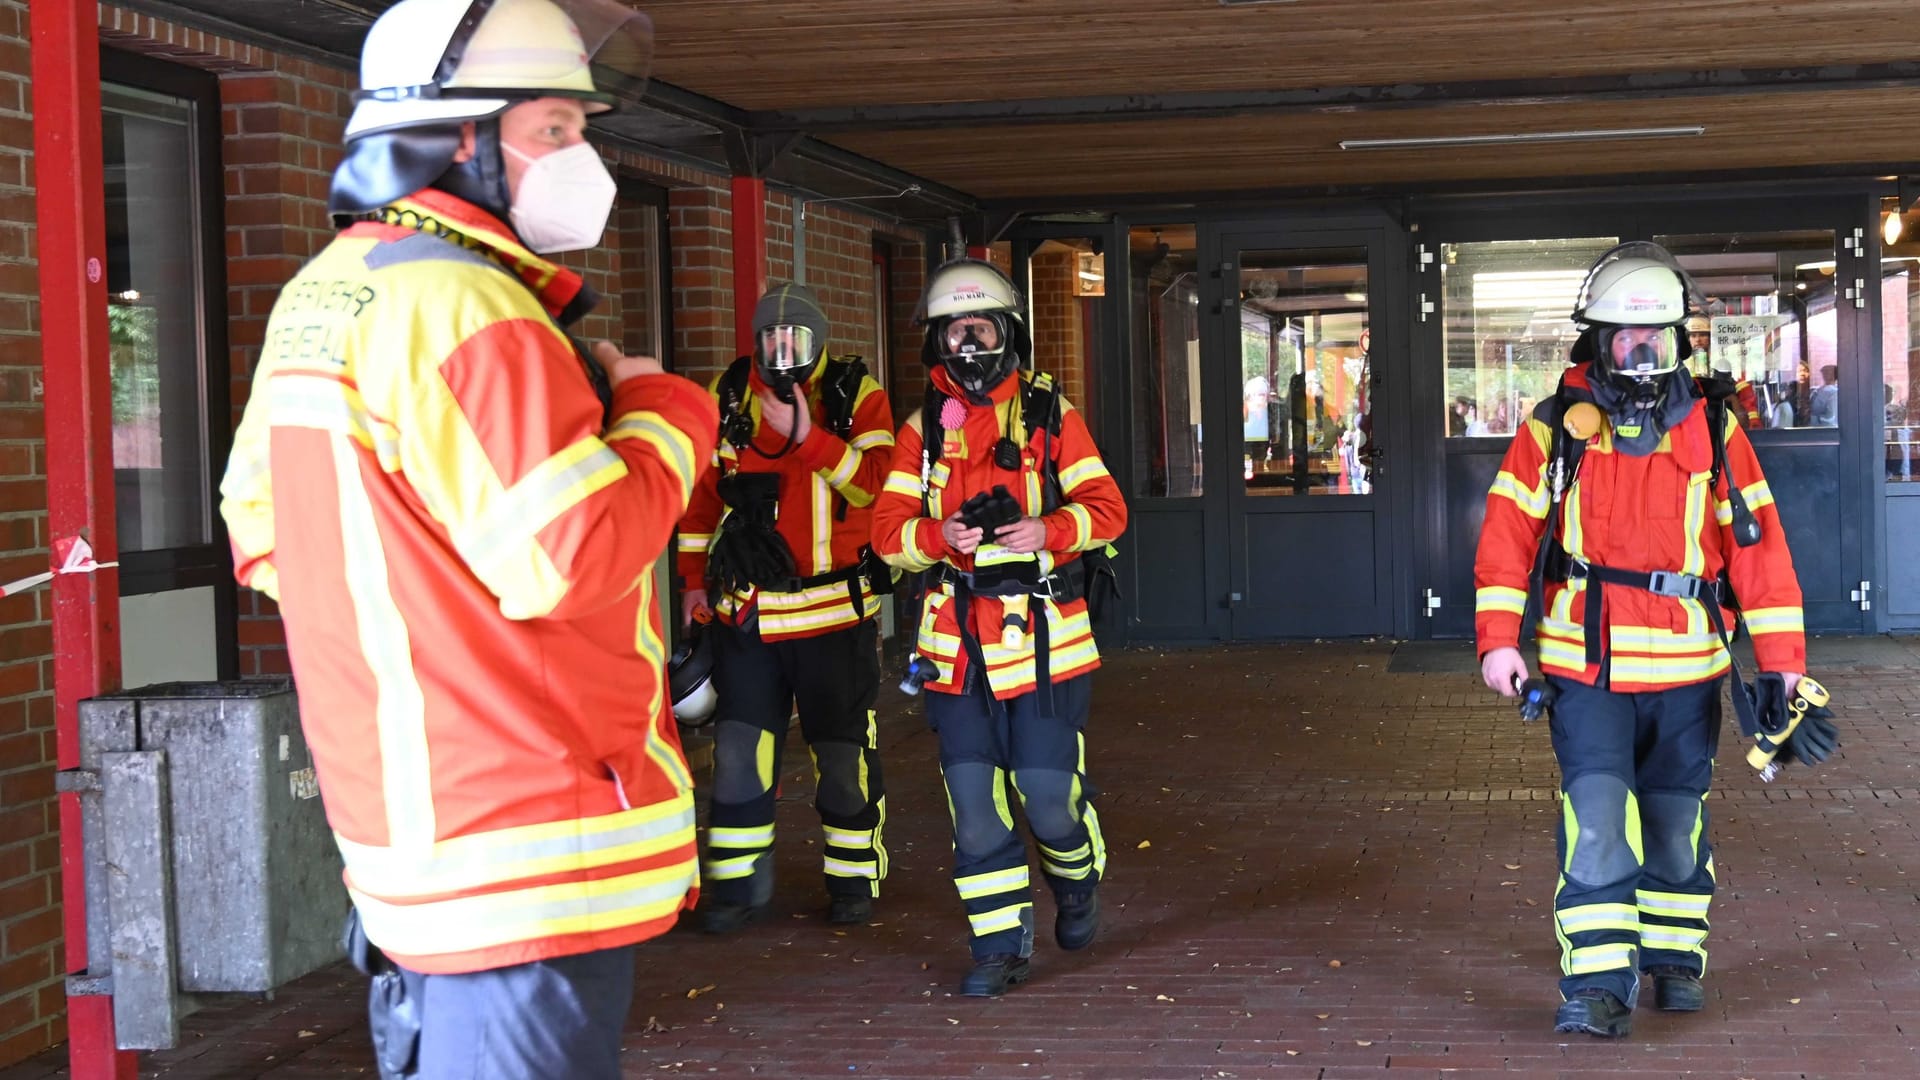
x=1576, y=135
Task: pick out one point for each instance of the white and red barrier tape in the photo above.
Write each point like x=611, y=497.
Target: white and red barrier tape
x=71, y=555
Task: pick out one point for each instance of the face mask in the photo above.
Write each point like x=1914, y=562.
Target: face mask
x=564, y=199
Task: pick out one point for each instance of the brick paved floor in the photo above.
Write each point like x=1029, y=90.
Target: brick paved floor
x=1321, y=867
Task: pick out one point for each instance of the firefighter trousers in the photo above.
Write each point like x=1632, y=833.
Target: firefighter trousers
x=1636, y=871
x=834, y=679
x=991, y=753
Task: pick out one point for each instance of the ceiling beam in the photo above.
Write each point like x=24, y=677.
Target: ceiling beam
x=1109, y=108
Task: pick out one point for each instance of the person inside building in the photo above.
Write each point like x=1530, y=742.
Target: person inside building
x=1744, y=403
x=1640, y=524
x=776, y=540
x=998, y=495
x=457, y=508
x=1824, y=407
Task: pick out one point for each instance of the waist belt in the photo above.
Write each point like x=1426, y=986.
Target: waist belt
x=1065, y=585
x=870, y=570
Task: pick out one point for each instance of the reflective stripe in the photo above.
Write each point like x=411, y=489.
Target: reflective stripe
x=1589, y=917
x=553, y=487
x=1681, y=938
x=996, y=881
x=733, y=868
x=903, y=483
x=400, y=709
x=1082, y=526
x=1087, y=468
x=672, y=444
x=848, y=838
x=1075, y=855
x=1500, y=598
x=1667, y=670
x=1693, y=559
x=740, y=836
x=1532, y=501
x=992, y=922
x=527, y=851
x=1594, y=958
x=1674, y=905
x=467, y=923
x=844, y=469
x=1775, y=620
x=695, y=543
x=1757, y=494
x=843, y=868
x=878, y=437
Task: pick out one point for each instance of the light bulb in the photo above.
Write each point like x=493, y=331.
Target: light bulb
x=1890, y=229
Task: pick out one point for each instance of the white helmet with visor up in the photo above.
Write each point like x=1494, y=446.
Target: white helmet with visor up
x=438, y=62
x=1633, y=307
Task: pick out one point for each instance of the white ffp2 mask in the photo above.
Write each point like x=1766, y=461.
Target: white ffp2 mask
x=564, y=199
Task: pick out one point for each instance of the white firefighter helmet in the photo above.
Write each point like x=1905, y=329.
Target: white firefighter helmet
x=690, y=678
x=1636, y=284
x=437, y=62
x=970, y=288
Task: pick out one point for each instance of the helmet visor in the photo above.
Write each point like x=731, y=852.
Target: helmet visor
x=972, y=335
x=609, y=61
x=786, y=348
x=1641, y=352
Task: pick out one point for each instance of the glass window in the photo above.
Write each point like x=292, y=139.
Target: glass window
x=1306, y=415
x=154, y=321
x=1900, y=356
x=1770, y=299
x=1507, y=309
x=1166, y=405
x=640, y=247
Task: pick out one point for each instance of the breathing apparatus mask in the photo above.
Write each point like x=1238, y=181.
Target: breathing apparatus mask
x=790, y=331
x=1632, y=310
x=975, y=329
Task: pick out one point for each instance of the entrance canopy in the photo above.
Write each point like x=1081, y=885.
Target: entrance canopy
x=1096, y=103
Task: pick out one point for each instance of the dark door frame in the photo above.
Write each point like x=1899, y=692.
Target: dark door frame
x=1627, y=215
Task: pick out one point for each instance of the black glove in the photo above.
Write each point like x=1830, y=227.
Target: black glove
x=991, y=511
x=748, y=549
x=1797, y=730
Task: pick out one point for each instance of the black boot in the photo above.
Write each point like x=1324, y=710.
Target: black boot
x=1078, y=920
x=726, y=918
x=1595, y=1012
x=1676, y=989
x=992, y=976
x=850, y=910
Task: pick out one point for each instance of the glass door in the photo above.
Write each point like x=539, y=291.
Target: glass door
x=1296, y=358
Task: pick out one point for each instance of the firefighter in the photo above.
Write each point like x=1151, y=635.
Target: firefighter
x=458, y=527
x=776, y=539
x=998, y=493
x=1630, y=534
x=1745, y=404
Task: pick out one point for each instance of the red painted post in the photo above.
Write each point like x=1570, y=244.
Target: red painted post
x=70, y=200
x=749, y=256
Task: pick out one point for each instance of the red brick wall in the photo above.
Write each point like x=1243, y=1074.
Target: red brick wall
x=1057, y=345
x=30, y=994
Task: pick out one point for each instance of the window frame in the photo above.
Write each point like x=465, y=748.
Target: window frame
x=209, y=564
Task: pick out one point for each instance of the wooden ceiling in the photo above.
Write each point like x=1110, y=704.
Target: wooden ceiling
x=1025, y=100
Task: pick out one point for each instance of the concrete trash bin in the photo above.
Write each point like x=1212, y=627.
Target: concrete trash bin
x=226, y=877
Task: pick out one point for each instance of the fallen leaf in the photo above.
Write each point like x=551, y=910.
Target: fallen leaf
x=1859, y=851
x=1793, y=1001
x=1322, y=1016
x=951, y=1020
x=1333, y=963
x=1143, y=845
x=653, y=1026
x=1161, y=997
x=696, y=992
x=1533, y=903
x=1509, y=883
x=1363, y=1042
x=305, y=1034
x=1293, y=1053
x=1511, y=865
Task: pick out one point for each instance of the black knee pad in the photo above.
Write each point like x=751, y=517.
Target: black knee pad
x=978, y=828
x=1047, y=796
x=840, y=791
x=1600, y=852
x=736, y=762
x=1670, y=818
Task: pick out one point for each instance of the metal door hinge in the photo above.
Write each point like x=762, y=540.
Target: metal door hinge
x=1432, y=605
x=1857, y=292
x=1426, y=307
x=1426, y=256
x=1857, y=243
x=1863, y=596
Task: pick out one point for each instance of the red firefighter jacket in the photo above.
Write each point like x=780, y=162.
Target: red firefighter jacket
x=462, y=554
x=1638, y=514
x=827, y=487
x=1095, y=514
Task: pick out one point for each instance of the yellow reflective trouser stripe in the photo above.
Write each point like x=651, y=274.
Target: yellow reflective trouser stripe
x=1675, y=905
x=996, y=881
x=473, y=862
x=842, y=868
x=1092, y=821
x=737, y=867
x=763, y=760
x=1599, y=958
x=480, y=922
x=1066, y=856
x=1588, y=917
x=848, y=838
x=1677, y=938
x=992, y=922
x=1071, y=873
x=740, y=835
